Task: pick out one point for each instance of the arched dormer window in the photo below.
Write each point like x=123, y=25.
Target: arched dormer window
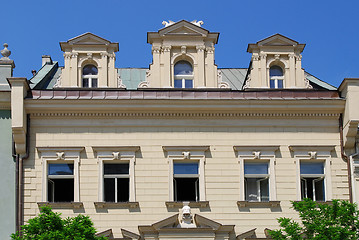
x=183, y=75
x=89, y=76
x=276, y=77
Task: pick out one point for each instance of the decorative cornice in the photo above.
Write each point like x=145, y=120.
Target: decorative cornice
x=181, y=114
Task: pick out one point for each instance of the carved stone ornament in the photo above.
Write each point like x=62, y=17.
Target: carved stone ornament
x=156, y=49
x=197, y=23
x=255, y=57
x=210, y=49
x=89, y=55
x=5, y=52
x=145, y=84
x=166, y=48
x=58, y=81
x=291, y=55
x=263, y=56
x=67, y=55
x=74, y=55
x=186, y=155
x=257, y=154
x=60, y=156
x=116, y=155
x=119, y=82
x=276, y=56
x=312, y=155
x=183, y=50
x=186, y=221
x=169, y=23
x=200, y=48
x=298, y=57
x=221, y=84
x=248, y=82
x=307, y=83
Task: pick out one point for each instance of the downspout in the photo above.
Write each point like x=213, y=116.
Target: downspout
x=16, y=158
x=20, y=178
x=345, y=158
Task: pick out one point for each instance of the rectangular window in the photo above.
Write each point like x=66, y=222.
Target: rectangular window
x=183, y=83
x=312, y=180
x=186, y=181
x=256, y=181
x=60, y=182
x=116, y=182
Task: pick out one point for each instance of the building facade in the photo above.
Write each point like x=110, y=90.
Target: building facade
x=183, y=149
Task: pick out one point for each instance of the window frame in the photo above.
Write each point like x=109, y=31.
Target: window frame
x=181, y=77
x=314, y=154
x=89, y=77
x=120, y=154
x=276, y=78
x=257, y=154
x=54, y=155
x=187, y=154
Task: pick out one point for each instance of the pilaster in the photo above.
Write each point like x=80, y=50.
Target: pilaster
x=200, y=78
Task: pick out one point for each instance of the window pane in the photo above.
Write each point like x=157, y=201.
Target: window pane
x=121, y=168
x=188, y=83
x=186, y=189
x=264, y=189
x=311, y=168
x=61, y=169
x=94, y=82
x=280, y=83
x=319, y=190
x=110, y=191
x=123, y=189
x=60, y=190
x=251, y=190
x=275, y=71
x=89, y=70
x=255, y=168
x=183, y=68
x=178, y=83
x=85, y=82
x=185, y=168
x=272, y=84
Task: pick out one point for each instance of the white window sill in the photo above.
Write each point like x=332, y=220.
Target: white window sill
x=74, y=205
x=193, y=204
x=271, y=204
x=117, y=204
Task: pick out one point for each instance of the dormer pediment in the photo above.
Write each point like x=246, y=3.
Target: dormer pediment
x=276, y=40
x=183, y=28
x=88, y=39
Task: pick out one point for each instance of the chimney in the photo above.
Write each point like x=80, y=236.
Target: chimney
x=6, y=67
x=46, y=59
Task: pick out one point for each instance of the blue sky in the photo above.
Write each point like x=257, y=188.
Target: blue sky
x=329, y=28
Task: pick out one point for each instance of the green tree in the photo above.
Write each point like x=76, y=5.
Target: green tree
x=49, y=226
x=335, y=221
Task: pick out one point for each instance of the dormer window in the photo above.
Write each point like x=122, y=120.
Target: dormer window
x=276, y=77
x=183, y=75
x=89, y=76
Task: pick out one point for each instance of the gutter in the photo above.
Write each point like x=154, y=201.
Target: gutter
x=345, y=158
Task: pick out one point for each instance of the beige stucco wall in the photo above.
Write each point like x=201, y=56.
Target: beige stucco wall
x=152, y=170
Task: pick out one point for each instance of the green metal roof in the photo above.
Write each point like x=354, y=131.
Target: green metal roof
x=131, y=77
x=47, y=76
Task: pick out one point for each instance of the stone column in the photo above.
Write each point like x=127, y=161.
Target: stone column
x=299, y=73
x=166, y=78
x=74, y=78
x=199, y=80
x=291, y=81
x=112, y=72
x=155, y=68
x=263, y=61
x=102, y=80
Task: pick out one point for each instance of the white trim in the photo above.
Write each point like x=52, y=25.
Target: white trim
x=187, y=154
x=258, y=154
x=119, y=154
x=60, y=155
x=314, y=154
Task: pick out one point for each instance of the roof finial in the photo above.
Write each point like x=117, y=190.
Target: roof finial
x=169, y=23
x=5, y=52
x=198, y=23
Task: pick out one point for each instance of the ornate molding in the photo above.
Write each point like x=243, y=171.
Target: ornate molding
x=58, y=81
x=156, y=49
x=221, y=84
x=255, y=57
x=67, y=55
x=200, y=48
x=181, y=114
x=298, y=57
x=119, y=82
x=307, y=83
x=166, y=48
x=263, y=56
x=74, y=55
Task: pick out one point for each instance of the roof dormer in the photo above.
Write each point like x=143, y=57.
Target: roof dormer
x=183, y=56
x=276, y=63
x=89, y=62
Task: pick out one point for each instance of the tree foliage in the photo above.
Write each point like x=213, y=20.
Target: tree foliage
x=49, y=225
x=335, y=221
